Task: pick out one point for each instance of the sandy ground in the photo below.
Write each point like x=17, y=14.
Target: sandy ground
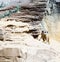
x=36, y=51
x=53, y=24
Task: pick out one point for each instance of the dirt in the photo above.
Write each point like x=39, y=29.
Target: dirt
x=53, y=25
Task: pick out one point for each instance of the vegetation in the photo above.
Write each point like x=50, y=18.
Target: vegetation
x=9, y=12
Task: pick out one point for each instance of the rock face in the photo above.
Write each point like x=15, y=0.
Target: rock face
x=20, y=32
x=27, y=19
x=31, y=14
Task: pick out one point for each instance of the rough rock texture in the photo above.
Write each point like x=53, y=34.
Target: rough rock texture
x=20, y=31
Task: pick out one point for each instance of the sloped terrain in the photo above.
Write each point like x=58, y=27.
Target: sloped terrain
x=19, y=36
